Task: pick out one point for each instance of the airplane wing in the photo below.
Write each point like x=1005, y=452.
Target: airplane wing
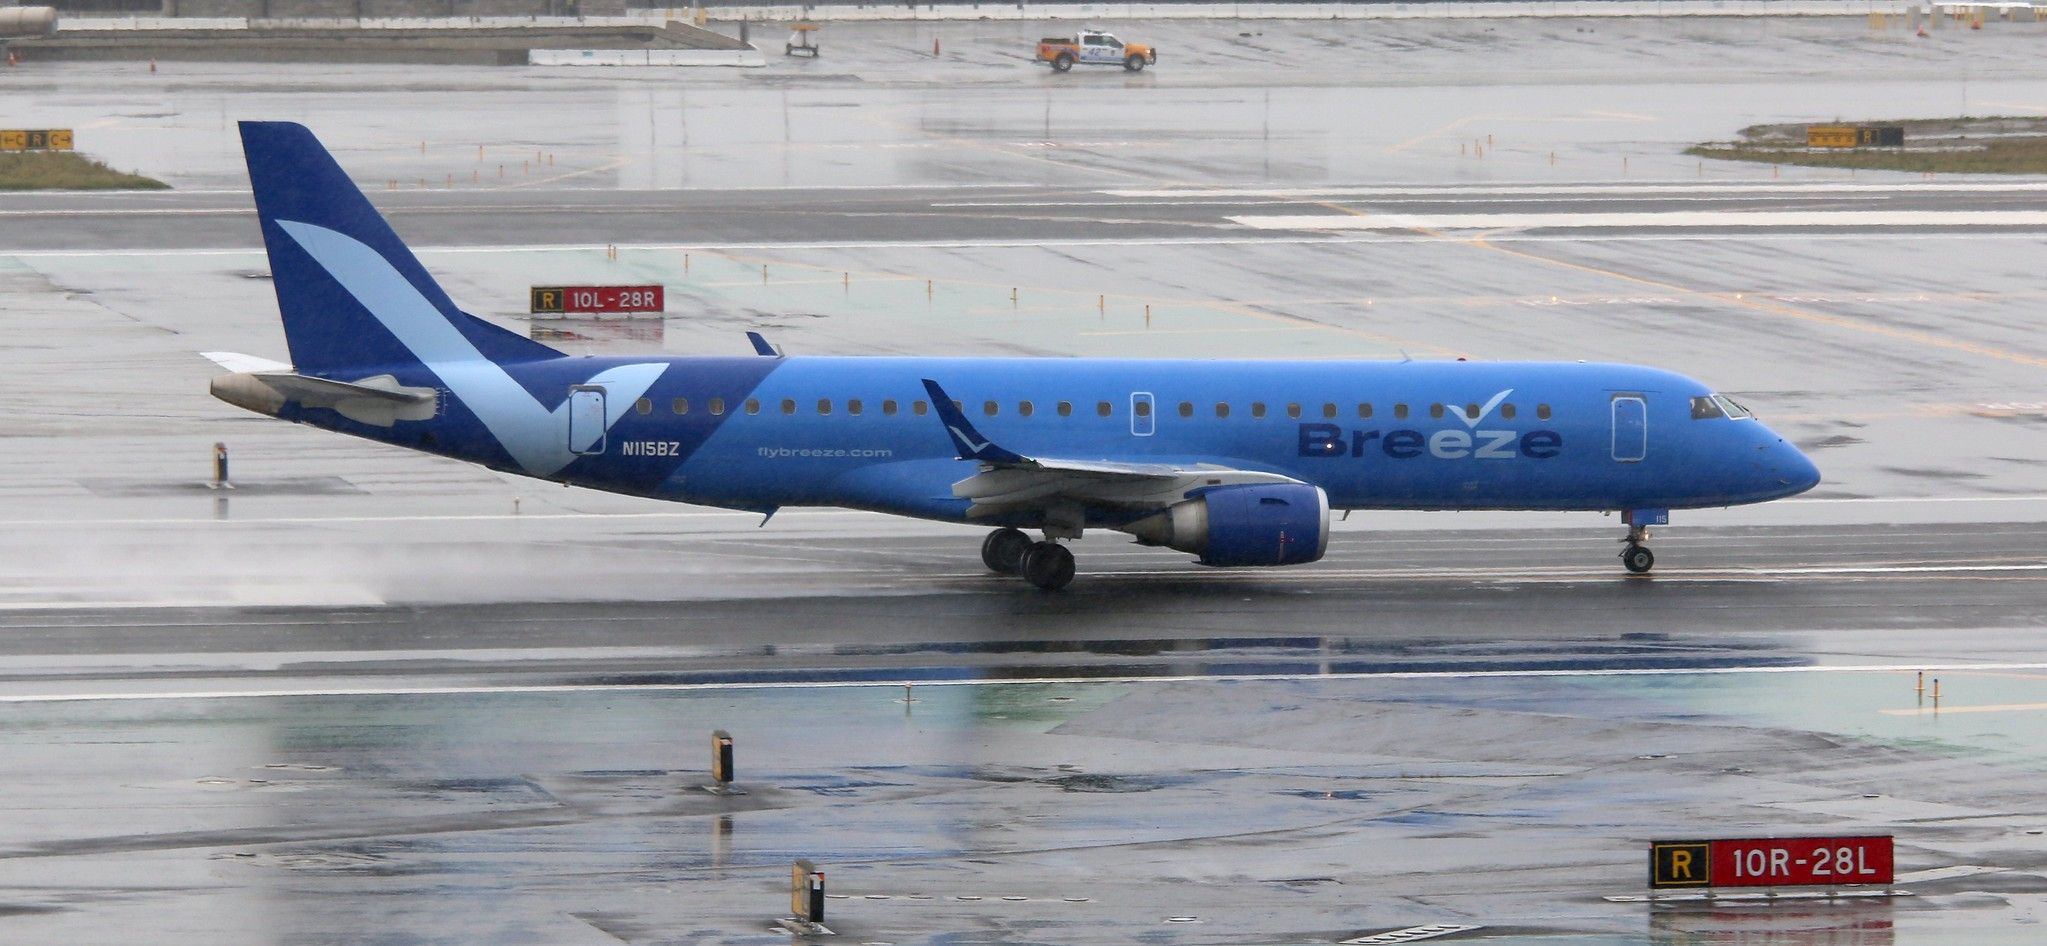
x=1009, y=482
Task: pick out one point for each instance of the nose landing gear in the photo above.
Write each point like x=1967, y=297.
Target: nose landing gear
x=1635, y=556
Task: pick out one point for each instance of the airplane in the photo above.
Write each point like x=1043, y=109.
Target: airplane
x=1237, y=462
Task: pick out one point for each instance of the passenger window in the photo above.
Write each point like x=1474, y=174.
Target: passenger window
x=1186, y=408
x=1364, y=411
x=1257, y=408
x=717, y=407
x=1506, y=412
x=1143, y=408
x=1222, y=409
x=788, y=405
x=853, y=406
x=1471, y=411
x=918, y=408
x=753, y=406
x=1066, y=408
x=1023, y=408
x=1436, y=411
x=1705, y=407
x=959, y=406
x=1399, y=412
x=1542, y=412
x=1329, y=411
x=990, y=408
x=643, y=407
x=1102, y=408
x=824, y=406
x=679, y=405
x=888, y=407
x=1293, y=410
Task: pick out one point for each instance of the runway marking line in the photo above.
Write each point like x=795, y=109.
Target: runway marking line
x=1990, y=708
x=539, y=689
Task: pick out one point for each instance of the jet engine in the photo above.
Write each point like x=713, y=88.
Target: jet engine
x=1253, y=524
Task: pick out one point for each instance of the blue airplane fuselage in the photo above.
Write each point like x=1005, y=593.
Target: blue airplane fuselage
x=761, y=433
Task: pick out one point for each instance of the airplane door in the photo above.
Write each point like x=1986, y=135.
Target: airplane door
x=1141, y=420
x=586, y=419
x=1630, y=428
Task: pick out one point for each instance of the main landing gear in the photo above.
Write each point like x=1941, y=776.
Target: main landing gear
x=1635, y=556
x=1047, y=565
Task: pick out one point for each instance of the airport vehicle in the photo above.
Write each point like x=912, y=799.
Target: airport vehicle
x=1236, y=462
x=1094, y=48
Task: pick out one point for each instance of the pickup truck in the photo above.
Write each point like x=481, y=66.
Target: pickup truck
x=1094, y=48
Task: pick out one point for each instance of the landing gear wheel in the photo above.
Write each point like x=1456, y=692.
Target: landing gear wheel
x=1638, y=559
x=1134, y=63
x=1048, y=565
x=1003, y=551
x=1062, y=62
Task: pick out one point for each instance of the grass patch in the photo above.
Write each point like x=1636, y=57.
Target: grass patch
x=66, y=171
x=1999, y=145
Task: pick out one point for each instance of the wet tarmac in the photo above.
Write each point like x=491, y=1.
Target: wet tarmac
x=372, y=696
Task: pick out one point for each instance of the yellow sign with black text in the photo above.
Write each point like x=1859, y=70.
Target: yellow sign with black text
x=1680, y=864
x=39, y=139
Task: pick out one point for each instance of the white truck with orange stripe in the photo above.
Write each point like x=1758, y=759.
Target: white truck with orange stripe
x=1094, y=48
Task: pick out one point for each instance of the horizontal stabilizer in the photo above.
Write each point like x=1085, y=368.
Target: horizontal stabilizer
x=380, y=400
x=236, y=361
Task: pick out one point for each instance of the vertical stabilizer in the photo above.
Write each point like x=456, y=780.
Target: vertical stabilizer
x=351, y=294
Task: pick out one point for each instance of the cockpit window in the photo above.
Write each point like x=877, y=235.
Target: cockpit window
x=1708, y=406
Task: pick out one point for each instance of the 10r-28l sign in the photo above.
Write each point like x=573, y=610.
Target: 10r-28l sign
x=1771, y=862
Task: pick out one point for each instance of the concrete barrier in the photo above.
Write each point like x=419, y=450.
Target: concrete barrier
x=742, y=58
x=1311, y=11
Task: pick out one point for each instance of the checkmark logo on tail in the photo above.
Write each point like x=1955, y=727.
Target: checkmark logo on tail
x=534, y=434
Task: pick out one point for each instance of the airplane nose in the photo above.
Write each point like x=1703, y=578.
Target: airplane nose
x=1794, y=470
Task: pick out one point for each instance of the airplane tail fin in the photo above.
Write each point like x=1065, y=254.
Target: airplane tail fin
x=351, y=294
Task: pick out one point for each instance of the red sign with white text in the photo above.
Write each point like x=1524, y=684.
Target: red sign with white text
x=598, y=299
x=1771, y=862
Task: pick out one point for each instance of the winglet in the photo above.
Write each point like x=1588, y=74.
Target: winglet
x=969, y=442
x=761, y=346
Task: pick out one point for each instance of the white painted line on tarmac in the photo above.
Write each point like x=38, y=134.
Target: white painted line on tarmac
x=1937, y=709
x=1538, y=189
x=1692, y=218
x=1253, y=238
x=1205, y=201
x=1946, y=873
x=896, y=684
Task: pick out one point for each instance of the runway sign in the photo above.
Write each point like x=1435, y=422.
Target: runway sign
x=1854, y=136
x=601, y=300
x=41, y=139
x=1771, y=862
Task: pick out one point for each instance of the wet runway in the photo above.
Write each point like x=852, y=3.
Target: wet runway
x=207, y=221
x=372, y=696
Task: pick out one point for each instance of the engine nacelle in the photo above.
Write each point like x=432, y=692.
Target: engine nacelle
x=1253, y=524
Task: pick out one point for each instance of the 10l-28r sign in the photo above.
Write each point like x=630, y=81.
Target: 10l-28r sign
x=1771, y=862
x=597, y=299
